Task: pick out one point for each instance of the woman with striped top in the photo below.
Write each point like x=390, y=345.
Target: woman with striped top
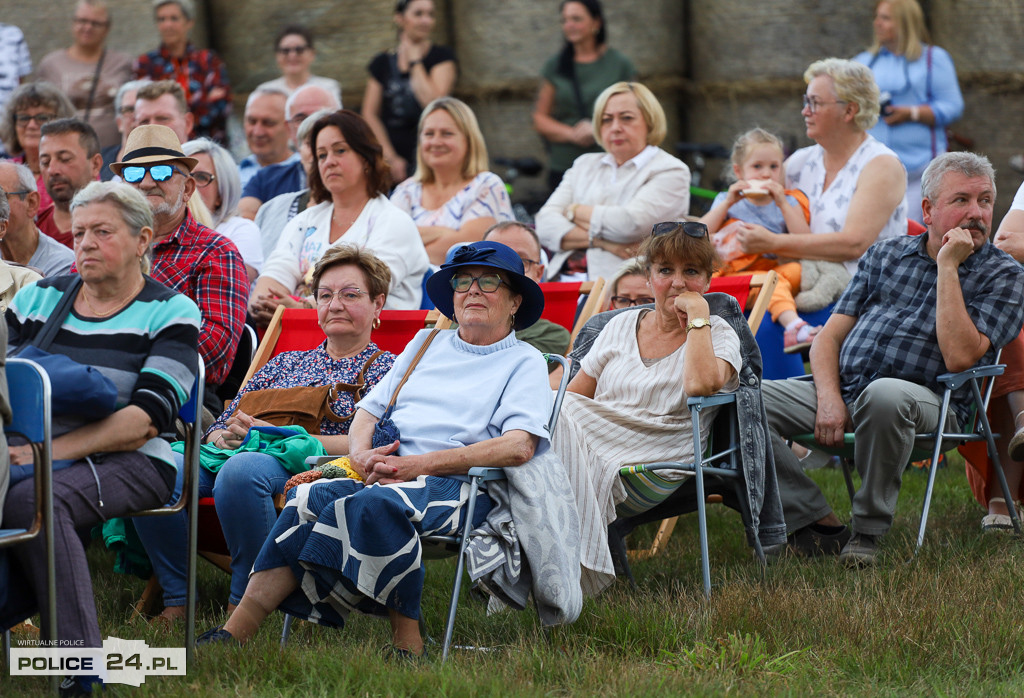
x=143, y=337
x=627, y=404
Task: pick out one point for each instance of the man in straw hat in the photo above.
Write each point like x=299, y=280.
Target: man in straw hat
x=187, y=256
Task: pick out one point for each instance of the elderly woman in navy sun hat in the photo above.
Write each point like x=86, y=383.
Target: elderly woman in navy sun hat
x=473, y=396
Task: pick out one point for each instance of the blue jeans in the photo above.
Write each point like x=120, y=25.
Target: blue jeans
x=243, y=492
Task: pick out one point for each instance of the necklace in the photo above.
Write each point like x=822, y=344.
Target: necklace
x=128, y=299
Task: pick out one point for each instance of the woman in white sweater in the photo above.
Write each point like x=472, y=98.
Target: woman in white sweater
x=350, y=179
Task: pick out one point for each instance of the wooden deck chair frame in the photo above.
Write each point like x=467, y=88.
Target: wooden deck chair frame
x=439, y=547
x=265, y=350
x=941, y=440
x=191, y=413
x=765, y=283
x=29, y=389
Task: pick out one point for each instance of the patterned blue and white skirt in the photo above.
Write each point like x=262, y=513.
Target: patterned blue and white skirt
x=357, y=548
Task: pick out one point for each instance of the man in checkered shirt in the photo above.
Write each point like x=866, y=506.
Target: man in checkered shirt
x=917, y=307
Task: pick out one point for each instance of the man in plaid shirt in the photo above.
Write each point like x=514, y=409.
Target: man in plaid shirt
x=917, y=307
x=187, y=256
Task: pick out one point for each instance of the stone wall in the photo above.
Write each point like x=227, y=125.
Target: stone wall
x=719, y=67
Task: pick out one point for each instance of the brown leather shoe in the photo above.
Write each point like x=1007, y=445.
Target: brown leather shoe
x=816, y=540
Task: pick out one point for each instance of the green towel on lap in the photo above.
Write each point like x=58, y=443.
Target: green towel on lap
x=291, y=445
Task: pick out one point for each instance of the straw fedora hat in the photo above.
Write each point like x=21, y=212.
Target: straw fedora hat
x=149, y=144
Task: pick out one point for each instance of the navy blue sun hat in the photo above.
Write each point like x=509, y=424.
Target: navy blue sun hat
x=494, y=255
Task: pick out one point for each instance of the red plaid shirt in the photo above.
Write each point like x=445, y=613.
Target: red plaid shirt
x=205, y=266
x=199, y=73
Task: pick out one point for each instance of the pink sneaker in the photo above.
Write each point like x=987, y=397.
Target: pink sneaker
x=799, y=337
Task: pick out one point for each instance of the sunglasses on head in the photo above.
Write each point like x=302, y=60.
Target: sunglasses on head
x=691, y=228
x=133, y=174
x=488, y=283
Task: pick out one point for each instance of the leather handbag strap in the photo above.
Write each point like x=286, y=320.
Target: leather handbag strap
x=44, y=339
x=415, y=360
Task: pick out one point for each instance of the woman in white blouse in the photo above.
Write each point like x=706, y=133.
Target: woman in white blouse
x=607, y=202
x=351, y=180
x=452, y=197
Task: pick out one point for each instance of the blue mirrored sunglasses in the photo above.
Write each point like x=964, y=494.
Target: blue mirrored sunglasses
x=133, y=174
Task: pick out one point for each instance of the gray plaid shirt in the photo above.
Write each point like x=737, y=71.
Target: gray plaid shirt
x=893, y=297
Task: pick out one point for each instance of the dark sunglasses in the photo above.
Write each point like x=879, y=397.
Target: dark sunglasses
x=40, y=119
x=691, y=228
x=488, y=283
x=297, y=50
x=133, y=174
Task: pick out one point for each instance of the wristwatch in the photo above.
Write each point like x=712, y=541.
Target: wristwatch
x=697, y=323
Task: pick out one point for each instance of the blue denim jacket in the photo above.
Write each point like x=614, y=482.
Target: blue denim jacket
x=755, y=447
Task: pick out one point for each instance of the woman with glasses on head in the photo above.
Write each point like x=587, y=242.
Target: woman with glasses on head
x=29, y=107
x=452, y=197
x=920, y=93
x=855, y=184
x=607, y=202
x=220, y=189
x=350, y=288
x=293, y=49
x=88, y=72
x=404, y=80
x=627, y=403
x=476, y=397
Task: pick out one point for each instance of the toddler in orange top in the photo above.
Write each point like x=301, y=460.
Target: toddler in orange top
x=758, y=196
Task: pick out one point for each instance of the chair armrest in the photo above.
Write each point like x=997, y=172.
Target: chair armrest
x=487, y=474
x=313, y=461
x=805, y=377
x=711, y=400
x=955, y=380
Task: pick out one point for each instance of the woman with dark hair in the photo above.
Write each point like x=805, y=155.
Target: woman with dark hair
x=572, y=80
x=30, y=106
x=293, y=48
x=404, y=80
x=351, y=178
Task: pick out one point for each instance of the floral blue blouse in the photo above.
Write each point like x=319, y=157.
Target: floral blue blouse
x=294, y=369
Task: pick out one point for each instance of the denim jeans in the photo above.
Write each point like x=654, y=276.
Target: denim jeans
x=243, y=492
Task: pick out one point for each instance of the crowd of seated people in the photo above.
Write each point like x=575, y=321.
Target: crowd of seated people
x=127, y=199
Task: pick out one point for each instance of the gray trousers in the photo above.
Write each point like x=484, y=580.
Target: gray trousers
x=128, y=482
x=886, y=416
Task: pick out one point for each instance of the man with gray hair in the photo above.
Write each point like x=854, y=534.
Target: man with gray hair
x=287, y=176
x=917, y=307
x=266, y=131
x=12, y=278
x=23, y=242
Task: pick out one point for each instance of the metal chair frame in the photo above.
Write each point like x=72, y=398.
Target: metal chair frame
x=437, y=547
x=29, y=388
x=941, y=440
x=191, y=413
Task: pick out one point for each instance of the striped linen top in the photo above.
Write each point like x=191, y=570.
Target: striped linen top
x=484, y=197
x=148, y=349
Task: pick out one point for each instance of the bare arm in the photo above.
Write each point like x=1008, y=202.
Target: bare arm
x=880, y=189
x=428, y=86
x=832, y=416
x=582, y=383
x=716, y=217
x=960, y=341
x=547, y=125
x=1010, y=236
x=125, y=430
x=248, y=207
x=703, y=372
x=373, y=99
x=512, y=448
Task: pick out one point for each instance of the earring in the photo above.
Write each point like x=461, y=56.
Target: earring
x=513, y=320
x=376, y=323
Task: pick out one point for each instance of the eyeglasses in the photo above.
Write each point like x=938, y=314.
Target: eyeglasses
x=297, y=50
x=691, y=228
x=20, y=194
x=133, y=174
x=813, y=104
x=127, y=110
x=298, y=119
x=528, y=263
x=626, y=302
x=82, y=22
x=203, y=179
x=324, y=296
x=488, y=283
x=40, y=119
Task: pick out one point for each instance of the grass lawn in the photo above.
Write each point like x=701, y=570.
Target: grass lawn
x=949, y=623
